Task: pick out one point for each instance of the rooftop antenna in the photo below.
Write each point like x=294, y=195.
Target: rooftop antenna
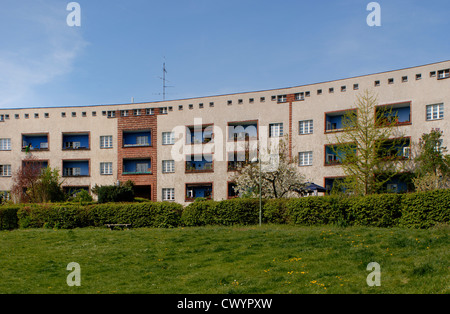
x=163, y=78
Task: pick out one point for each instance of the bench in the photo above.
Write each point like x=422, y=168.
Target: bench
x=112, y=226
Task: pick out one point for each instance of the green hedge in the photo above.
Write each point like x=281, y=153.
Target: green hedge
x=416, y=210
x=425, y=209
x=151, y=214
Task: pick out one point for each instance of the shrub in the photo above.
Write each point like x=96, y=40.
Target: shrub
x=276, y=211
x=379, y=210
x=114, y=193
x=200, y=214
x=8, y=217
x=238, y=211
x=425, y=209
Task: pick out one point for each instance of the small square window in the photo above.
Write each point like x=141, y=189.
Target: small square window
x=307, y=94
x=46, y=115
x=63, y=114
x=84, y=114
x=240, y=101
x=191, y=106
x=418, y=77
x=355, y=86
x=74, y=114
x=343, y=88
x=170, y=108
x=36, y=115
x=103, y=113
x=262, y=99
x=433, y=74
x=211, y=104
x=180, y=107
x=377, y=83
x=331, y=90
x=200, y=105
x=251, y=100
x=27, y=116
x=230, y=102
x=391, y=81
x=16, y=116
x=94, y=113
x=274, y=98
x=404, y=79
x=319, y=92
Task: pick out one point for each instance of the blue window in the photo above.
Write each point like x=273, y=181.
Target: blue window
x=75, y=168
x=198, y=190
x=199, y=163
x=76, y=141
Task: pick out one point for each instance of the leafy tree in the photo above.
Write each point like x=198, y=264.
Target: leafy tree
x=279, y=173
x=368, y=147
x=35, y=184
x=432, y=165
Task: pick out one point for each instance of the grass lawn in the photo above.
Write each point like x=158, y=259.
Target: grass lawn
x=245, y=260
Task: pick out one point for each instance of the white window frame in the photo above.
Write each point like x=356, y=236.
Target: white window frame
x=276, y=130
x=305, y=158
x=106, y=168
x=306, y=127
x=168, y=166
x=72, y=172
x=106, y=141
x=168, y=138
x=435, y=112
x=168, y=194
x=5, y=171
x=5, y=144
x=142, y=167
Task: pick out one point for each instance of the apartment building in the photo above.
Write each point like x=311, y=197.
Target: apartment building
x=178, y=150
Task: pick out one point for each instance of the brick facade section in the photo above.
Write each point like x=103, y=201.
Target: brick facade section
x=136, y=123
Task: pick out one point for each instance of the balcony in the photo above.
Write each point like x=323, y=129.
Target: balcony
x=335, y=154
x=137, y=138
x=136, y=166
x=199, y=164
x=395, y=149
x=392, y=115
x=72, y=141
x=199, y=134
x=243, y=131
x=339, y=121
x=75, y=168
x=238, y=160
x=35, y=142
x=194, y=191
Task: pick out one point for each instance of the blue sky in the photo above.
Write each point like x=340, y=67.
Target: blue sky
x=210, y=47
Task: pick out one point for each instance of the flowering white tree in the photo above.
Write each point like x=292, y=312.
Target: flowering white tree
x=280, y=177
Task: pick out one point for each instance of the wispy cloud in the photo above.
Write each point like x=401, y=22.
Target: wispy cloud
x=40, y=48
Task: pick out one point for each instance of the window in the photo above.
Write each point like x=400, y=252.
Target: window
x=5, y=170
x=180, y=107
x=84, y=114
x=63, y=114
x=168, y=138
x=305, y=158
x=251, y=100
x=200, y=105
x=229, y=102
x=319, y=92
x=343, y=88
x=391, y=81
x=300, y=96
x=27, y=116
x=142, y=167
x=282, y=98
x=168, y=194
x=262, y=99
x=36, y=115
x=240, y=101
x=46, y=115
x=106, y=168
x=149, y=111
x=111, y=114
x=211, y=104
x=142, y=140
x=16, y=116
x=276, y=130
x=191, y=106
x=433, y=74
x=106, y=141
x=137, y=112
x=5, y=144
x=331, y=90
x=306, y=127
x=307, y=94
x=418, y=77
x=163, y=110
x=72, y=172
x=435, y=112
x=377, y=83
x=442, y=74
x=74, y=114
x=355, y=86
x=94, y=113
x=404, y=79
x=168, y=166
